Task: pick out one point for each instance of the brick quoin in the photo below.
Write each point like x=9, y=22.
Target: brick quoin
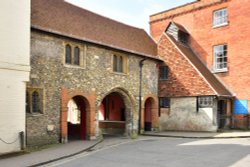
x=197, y=18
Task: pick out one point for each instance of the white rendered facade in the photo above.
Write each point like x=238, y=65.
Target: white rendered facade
x=14, y=71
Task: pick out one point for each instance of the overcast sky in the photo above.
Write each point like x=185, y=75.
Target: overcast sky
x=131, y=12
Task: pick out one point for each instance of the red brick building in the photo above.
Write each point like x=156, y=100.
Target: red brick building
x=205, y=46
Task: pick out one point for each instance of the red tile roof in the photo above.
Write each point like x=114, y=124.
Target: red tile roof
x=217, y=85
x=59, y=17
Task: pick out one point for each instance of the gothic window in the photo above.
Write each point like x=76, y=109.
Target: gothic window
x=76, y=56
x=34, y=104
x=27, y=104
x=68, y=56
x=115, y=63
x=73, y=55
x=119, y=64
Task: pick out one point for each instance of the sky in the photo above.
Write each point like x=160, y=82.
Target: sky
x=131, y=12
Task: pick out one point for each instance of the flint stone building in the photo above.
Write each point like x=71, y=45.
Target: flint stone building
x=84, y=78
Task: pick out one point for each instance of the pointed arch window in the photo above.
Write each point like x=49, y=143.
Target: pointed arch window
x=68, y=56
x=76, y=56
x=27, y=103
x=115, y=63
x=119, y=63
x=34, y=102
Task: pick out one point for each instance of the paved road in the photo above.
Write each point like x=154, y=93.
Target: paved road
x=166, y=152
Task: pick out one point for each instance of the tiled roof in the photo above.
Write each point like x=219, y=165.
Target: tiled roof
x=219, y=88
x=59, y=17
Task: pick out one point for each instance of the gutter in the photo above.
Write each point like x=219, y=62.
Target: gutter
x=140, y=93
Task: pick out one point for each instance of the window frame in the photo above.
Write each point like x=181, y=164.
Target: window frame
x=165, y=103
x=224, y=56
x=119, y=63
x=68, y=54
x=29, y=101
x=77, y=56
x=82, y=55
x=205, y=101
x=223, y=19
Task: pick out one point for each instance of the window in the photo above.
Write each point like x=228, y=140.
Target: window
x=163, y=72
x=73, y=55
x=205, y=101
x=119, y=63
x=76, y=56
x=34, y=100
x=220, y=58
x=183, y=37
x=164, y=102
x=68, y=57
x=220, y=17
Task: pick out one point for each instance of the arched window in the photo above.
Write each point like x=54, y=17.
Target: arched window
x=121, y=64
x=115, y=63
x=27, y=102
x=77, y=56
x=68, y=59
x=35, y=102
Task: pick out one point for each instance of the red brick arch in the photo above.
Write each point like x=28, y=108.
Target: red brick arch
x=89, y=100
x=154, y=111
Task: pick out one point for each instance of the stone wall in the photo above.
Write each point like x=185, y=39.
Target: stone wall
x=96, y=77
x=183, y=116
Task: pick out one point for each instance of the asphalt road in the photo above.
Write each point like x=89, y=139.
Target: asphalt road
x=166, y=152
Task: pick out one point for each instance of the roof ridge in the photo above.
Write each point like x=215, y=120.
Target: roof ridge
x=103, y=16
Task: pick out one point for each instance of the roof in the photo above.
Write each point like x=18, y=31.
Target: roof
x=62, y=18
x=219, y=88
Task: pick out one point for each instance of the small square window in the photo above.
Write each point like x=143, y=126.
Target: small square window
x=205, y=101
x=220, y=18
x=164, y=102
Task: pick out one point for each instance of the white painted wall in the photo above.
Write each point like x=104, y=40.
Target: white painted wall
x=14, y=70
x=183, y=116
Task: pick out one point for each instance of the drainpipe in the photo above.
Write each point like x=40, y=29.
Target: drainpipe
x=140, y=92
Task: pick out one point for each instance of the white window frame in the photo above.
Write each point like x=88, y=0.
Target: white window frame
x=205, y=101
x=220, y=58
x=220, y=18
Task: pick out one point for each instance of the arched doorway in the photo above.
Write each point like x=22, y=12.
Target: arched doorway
x=76, y=118
x=148, y=115
x=112, y=114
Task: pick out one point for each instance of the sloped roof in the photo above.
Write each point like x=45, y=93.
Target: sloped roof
x=59, y=17
x=219, y=88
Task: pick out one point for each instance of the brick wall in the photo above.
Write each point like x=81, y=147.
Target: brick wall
x=183, y=79
x=198, y=22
